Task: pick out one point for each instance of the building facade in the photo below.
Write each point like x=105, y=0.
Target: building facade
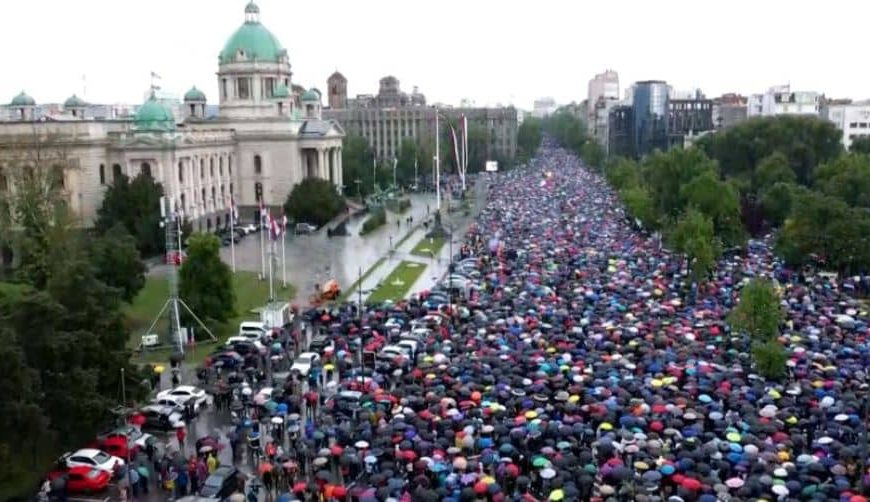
x=729, y=110
x=688, y=118
x=544, y=107
x=852, y=119
x=781, y=100
x=267, y=137
x=650, y=114
x=620, y=131
x=392, y=116
x=602, y=87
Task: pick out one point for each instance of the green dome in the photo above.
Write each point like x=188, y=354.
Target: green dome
x=153, y=116
x=194, y=94
x=281, y=92
x=311, y=95
x=22, y=100
x=74, y=102
x=252, y=41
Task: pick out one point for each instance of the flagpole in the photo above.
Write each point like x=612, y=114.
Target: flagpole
x=233, y=234
x=284, y=251
x=262, y=248
x=464, y=150
x=271, y=257
x=437, y=164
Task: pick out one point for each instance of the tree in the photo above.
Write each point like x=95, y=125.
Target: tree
x=693, y=235
x=117, y=261
x=640, y=205
x=357, y=159
x=622, y=173
x=861, y=144
x=135, y=205
x=805, y=141
x=776, y=202
x=529, y=137
x=847, y=178
x=313, y=201
x=205, y=281
x=406, y=161
x=592, y=154
x=719, y=201
x=759, y=315
x=771, y=170
x=665, y=173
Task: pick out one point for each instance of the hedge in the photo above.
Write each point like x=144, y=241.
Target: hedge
x=376, y=218
x=399, y=205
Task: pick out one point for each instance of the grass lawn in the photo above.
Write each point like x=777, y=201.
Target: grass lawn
x=396, y=285
x=251, y=293
x=428, y=249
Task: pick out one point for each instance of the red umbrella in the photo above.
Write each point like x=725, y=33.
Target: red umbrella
x=336, y=450
x=300, y=487
x=513, y=470
x=480, y=487
x=339, y=492
x=691, y=484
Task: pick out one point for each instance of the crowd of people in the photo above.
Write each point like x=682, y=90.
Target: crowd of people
x=582, y=365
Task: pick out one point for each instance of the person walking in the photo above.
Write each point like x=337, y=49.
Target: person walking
x=180, y=434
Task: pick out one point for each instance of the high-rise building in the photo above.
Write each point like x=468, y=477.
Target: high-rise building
x=852, y=119
x=391, y=116
x=620, y=131
x=544, y=107
x=781, y=100
x=603, y=86
x=650, y=110
x=689, y=116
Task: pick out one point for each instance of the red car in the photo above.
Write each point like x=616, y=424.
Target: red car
x=175, y=257
x=82, y=479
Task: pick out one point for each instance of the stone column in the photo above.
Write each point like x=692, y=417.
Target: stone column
x=339, y=169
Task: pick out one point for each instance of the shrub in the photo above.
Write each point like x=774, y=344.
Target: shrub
x=376, y=218
x=313, y=201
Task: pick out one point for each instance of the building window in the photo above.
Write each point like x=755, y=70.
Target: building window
x=116, y=171
x=224, y=88
x=211, y=167
x=230, y=165
x=258, y=165
x=4, y=183
x=145, y=169
x=212, y=201
x=244, y=88
x=202, y=169
x=221, y=166
x=863, y=125
x=180, y=172
x=853, y=125
x=202, y=198
x=231, y=189
x=268, y=87
x=102, y=175
x=57, y=181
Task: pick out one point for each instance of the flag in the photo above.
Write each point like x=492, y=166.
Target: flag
x=283, y=222
x=455, y=148
x=264, y=215
x=234, y=211
x=275, y=228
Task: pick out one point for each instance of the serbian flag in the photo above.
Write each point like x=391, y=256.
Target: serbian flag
x=275, y=228
x=264, y=215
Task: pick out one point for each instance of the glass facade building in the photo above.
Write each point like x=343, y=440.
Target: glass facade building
x=650, y=114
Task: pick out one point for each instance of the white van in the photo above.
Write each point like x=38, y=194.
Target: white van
x=253, y=330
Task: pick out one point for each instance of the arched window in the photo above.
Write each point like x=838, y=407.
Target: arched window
x=102, y=174
x=211, y=167
x=203, y=198
x=183, y=204
x=202, y=169
x=180, y=172
x=145, y=169
x=116, y=171
x=230, y=165
x=213, y=201
x=258, y=165
x=57, y=178
x=221, y=166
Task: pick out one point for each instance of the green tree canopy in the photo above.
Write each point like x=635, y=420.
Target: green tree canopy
x=693, y=235
x=205, y=281
x=357, y=161
x=665, y=173
x=719, y=201
x=117, y=261
x=805, y=141
x=529, y=137
x=640, y=205
x=759, y=314
x=622, y=173
x=135, y=205
x=313, y=201
x=771, y=170
x=861, y=144
x=776, y=202
x=848, y=178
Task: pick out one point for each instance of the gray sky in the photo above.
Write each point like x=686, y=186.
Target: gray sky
x=516, y=50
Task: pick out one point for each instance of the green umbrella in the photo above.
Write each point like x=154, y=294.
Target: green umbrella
x=540, y=462
x=143, y=471
x=270, y=405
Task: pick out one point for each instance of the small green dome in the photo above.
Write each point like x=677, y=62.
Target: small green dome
x=311, y=95
x=281, y=92
x=194, y=94
x=252, y=41
x=153, y=116
x=22, y=100
x=74, y=102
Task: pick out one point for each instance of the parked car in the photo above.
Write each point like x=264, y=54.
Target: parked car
x=82, y=479
x=221, y=483
x=225, y=239
x=253, y=329
x=200, y=398
x=124, y=440
x=228, y=359
x=161, y=417
x=93, y=458
x=249, y=228
x=304, y=228
x=303, y=363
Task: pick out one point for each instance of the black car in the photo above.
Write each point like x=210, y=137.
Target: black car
x=221, y=483
x=319, y=343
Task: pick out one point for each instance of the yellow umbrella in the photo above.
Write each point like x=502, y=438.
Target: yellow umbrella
x=656, y=383
x=329, y=367
x=557, y=494
x=606, y=426
x=531, y=414
x=159, y=369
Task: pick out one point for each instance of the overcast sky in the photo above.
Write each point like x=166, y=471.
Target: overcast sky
x=514, y=51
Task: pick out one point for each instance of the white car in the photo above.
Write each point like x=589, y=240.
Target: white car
x=93, y=458
x=185, y=393
x=247, y=338
x=253, y=330
x=303, y=363
x=134, y=435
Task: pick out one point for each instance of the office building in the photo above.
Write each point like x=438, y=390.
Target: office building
x=781, y=100
x=852, y=119
x=729, y=110
x=688, y=116
x=650, y=115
